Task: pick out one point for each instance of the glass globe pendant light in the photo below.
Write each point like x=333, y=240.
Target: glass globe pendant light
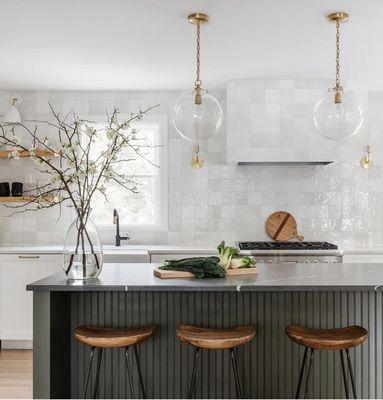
x=338, y=115
x=197, y=116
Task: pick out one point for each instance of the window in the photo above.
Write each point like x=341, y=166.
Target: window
x=148, y=207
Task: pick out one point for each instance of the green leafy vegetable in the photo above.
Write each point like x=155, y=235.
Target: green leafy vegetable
x=226, y=253
x=242, y=262
x=211, y=267
x=200, y=267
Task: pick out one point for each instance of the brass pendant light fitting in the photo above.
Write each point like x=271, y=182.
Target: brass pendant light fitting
x=339, y=18
x=198, y=19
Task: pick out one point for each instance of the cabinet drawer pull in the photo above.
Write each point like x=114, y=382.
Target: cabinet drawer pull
x=29, y=256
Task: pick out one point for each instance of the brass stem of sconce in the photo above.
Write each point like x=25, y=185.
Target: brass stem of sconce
x=196, y=161
x=366, y=161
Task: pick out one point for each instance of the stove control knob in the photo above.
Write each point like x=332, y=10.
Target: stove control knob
x=316, y=261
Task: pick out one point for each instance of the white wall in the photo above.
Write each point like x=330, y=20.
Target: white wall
x=340, y=203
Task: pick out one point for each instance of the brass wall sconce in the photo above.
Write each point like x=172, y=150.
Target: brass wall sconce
x=366, y=161
x=12, y=115
x=196, y=161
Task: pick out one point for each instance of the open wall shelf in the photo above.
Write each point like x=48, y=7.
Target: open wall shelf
x=22, y=199
x=4, y=154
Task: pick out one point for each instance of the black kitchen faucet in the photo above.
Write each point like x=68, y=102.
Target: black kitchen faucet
x=116, y=221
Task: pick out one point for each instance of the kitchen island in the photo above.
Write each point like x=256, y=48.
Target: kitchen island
x=312, y=295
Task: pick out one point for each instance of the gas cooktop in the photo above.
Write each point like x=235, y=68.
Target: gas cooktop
x=287, y=246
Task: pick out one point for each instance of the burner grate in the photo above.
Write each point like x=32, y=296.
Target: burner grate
x=287, y=246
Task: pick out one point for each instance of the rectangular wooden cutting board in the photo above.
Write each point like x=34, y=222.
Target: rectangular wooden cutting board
x=169, y=274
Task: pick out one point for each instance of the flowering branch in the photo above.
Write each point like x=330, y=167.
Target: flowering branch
x=76, y=172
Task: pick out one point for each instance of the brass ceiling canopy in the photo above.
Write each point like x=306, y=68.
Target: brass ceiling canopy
x=196, y=18
x=339, y=17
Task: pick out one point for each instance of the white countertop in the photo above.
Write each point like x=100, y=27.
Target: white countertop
x=373, y=250
x=110, y=249
x=163, y=249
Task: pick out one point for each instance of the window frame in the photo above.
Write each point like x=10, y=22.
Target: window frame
x=161, y=121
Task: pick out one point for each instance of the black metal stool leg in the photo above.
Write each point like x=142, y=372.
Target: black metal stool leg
x=235, y=370
x=130, y=375
x=344, y=375
x=301, y=373
x=351, y=375
x=143, y=391
x=193, y=378
x=309, y=371
x=88, y=373
x=97, y=381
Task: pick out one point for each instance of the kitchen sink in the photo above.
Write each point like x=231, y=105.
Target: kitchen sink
x=112, y=247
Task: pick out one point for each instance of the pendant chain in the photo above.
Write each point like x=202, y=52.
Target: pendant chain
x=337, y=76
x=198, y=82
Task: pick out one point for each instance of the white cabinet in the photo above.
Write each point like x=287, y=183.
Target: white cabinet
x=16, y=304
x=361, y=257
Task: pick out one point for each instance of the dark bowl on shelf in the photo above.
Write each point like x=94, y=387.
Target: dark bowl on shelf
x=17, y=189
x=4, y=189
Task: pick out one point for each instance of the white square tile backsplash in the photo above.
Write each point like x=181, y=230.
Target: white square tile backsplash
x=340, y=203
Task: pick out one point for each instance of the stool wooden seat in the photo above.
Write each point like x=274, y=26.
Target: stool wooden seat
x=341, y=339
x=328, y=339
x=101, y=338
x=215, y=338
x=112, y=337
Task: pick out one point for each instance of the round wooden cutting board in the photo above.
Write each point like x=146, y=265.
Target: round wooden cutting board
x=281, y=226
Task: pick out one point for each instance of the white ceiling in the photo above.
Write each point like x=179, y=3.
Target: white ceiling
x=148, y=44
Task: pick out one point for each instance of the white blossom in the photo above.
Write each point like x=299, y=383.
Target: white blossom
x=32, y=151
x=15, y=154
x=90, y=130
x=92, y=168
x=111, y=134
x=78, y=172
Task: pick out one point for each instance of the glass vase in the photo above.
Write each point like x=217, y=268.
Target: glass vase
x=83, y=255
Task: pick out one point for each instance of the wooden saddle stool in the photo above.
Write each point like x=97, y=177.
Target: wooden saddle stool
x=101, y=338
x=215, y=339
x=341, y=339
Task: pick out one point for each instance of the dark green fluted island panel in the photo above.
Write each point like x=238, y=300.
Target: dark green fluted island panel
x=269, y=365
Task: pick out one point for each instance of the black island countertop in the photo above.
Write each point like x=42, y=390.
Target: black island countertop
x=274, y=277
